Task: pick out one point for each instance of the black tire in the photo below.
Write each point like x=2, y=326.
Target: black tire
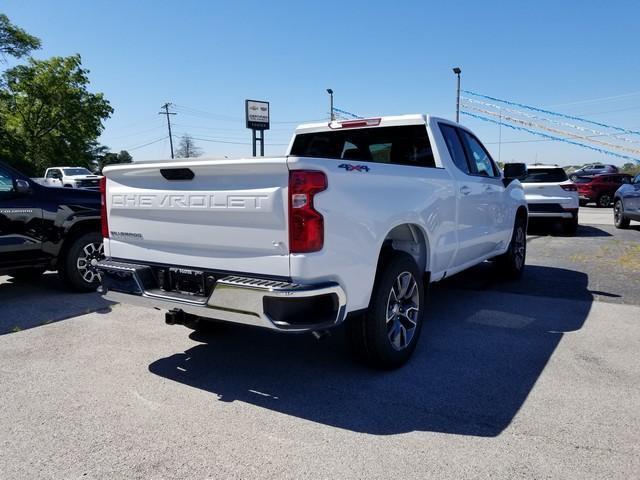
x=583, y=203
x=81, y=275
x=619, y=220
x=604, y=200
x=570, y=226
x=384, y=342
x=27, y=274
x=511, y=264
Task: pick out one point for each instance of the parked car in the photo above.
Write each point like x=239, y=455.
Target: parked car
x=593, y=169
x=600, y=189
x=551, y=195
x=73, y=177
x=351, y=223
x=626, y=205
x=45, y=228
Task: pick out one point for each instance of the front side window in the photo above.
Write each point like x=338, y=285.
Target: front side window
x=403, y=145
x=481, y=163
x=454, y=145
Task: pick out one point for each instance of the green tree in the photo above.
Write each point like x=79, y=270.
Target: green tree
x=111, y=158
x=187, y=147
x=631, y=168
x=48, y=115
x=14, y=41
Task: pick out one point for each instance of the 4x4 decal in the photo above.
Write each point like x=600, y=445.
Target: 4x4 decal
x=354, y=168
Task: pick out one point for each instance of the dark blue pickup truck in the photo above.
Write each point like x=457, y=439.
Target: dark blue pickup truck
x=47, y=228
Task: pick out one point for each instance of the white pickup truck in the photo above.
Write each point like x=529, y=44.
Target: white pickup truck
x=351, y=224
x=71, y=177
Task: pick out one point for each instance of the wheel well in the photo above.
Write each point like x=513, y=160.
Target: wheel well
x=410, y=239
x=76, y=230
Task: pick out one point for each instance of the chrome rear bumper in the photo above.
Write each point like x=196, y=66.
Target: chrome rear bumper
x=264, y=303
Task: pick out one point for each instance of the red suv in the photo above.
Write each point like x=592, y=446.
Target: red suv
x=600, y=188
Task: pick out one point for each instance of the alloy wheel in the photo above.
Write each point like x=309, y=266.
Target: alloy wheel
x=617, y=212
x=519, y=247
x=403, y=308
x=88, y=260
x=605, y=201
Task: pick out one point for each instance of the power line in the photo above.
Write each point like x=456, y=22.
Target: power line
x=596, y=100
x=146, y=144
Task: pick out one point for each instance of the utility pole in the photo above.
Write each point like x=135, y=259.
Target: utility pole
x=167, y=113
x=458, y=71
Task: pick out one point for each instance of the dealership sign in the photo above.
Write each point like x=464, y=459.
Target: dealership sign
x=257, y=114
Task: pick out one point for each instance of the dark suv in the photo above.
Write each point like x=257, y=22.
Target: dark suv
x=627, y=203
x=601, y=188
x=48, y=228
x=593, y=169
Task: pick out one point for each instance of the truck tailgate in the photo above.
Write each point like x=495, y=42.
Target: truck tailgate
x=230, y=216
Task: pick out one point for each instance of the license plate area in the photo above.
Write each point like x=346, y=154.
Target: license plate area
x=187, y=281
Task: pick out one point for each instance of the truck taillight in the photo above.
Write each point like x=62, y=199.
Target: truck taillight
x=103, y=207
x=306, y=225
x=569, y=187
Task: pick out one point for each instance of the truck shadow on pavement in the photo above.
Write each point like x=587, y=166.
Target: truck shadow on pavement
x=46, y=300
x=480, y=354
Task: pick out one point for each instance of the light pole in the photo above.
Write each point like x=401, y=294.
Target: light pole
x=330, y=92
x=457, y=71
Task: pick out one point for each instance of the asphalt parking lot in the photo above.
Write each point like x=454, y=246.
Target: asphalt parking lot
x=533, y=379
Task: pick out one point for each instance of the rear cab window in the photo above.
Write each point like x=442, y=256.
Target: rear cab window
x=546, y=175
x=402, y=145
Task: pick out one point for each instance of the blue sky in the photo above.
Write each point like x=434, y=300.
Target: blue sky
x=379, y=57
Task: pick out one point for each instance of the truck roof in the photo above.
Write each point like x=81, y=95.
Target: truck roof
x=384, y=121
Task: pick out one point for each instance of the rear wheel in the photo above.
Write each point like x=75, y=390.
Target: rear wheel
x=387, y=334
x=619, y=220
x=604, y=200
x=512, y=262
x=77, y=267
x=582, y=203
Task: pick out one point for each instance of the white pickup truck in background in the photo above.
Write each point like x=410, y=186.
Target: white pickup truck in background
x=70, y=177
x=351, y=224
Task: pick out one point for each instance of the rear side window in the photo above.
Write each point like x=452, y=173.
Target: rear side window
x=545, y=175
x=403, y=145
x=454, y=145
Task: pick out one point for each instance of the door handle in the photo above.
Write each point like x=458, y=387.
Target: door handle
x=464, y=190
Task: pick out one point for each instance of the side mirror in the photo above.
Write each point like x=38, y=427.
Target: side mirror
x=514, y=171
x=21, y=187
